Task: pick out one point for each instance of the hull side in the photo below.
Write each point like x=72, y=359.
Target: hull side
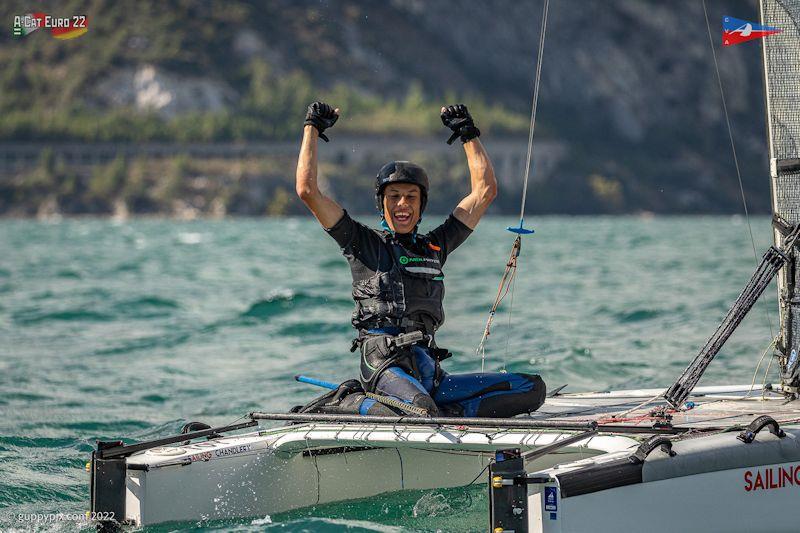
x=712, y=483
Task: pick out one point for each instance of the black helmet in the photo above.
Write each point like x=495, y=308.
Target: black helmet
x=401, y=172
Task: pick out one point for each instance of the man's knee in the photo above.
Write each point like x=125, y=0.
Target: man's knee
x=537, y=384
x=539, y=391
x=515, y=402
x=425, y=402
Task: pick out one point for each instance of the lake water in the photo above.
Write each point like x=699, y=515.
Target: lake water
x=130, y=329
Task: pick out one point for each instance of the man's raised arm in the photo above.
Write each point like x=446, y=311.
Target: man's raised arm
x=320, y=116
x=481, y=173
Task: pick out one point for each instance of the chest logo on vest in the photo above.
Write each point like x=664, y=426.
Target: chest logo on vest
x=404, y=260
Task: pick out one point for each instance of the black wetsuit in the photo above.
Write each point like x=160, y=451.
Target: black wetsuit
x=390, y=267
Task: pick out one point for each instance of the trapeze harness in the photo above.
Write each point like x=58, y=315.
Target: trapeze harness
x=398, y=309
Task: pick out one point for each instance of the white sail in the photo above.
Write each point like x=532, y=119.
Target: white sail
x=782, y=92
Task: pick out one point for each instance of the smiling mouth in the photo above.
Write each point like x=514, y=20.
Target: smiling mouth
x=402, y=217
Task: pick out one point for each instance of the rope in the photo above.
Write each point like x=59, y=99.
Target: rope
x=733, y=151
x=632, y=409
x=397, y=404
x=502, y=291
x=758, y=366
x=764, y=383
x=534, y=106
x=507, y=281
x=513, y=282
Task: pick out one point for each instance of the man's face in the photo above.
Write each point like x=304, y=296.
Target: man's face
x=402, y=203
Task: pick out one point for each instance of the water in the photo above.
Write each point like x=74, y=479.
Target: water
x=131, y=329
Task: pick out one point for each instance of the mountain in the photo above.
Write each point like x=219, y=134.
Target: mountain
x=629, y=96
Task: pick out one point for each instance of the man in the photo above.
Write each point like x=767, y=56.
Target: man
x=398, y=286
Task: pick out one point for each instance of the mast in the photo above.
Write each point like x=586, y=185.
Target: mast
x=781, y=54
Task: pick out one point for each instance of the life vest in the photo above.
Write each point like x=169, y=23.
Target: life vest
x=408, y=296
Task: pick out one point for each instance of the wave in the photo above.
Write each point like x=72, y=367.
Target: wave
x=24, y=396
x=37, y=316
x=315, y=328
x=48, y=488
x=145, y=343
x=115, y=427
x=265, y=309
x=337, y=263
x=451, y=509
x=638, y=315
x=153, y=398
x=38, y=442
x=143, y=307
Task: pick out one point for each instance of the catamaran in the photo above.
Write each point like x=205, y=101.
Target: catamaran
x=688, y=458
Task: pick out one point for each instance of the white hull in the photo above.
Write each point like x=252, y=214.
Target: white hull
x=701, y=488
x=258, y=475
x=711, y=502
x=272, y=471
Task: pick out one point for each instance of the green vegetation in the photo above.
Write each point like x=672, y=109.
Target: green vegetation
x=193, y=187
x=108, y=181
x=381, y=65
x=49, y=89
x=272, y=109
x=171, y=187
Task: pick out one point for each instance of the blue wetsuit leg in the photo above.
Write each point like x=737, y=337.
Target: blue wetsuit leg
x=492, y=394
x=397, y=383
x=487, y=394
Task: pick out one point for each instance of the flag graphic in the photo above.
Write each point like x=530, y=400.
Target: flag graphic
x=23, y=29
x=735, y=31
x=68, y=33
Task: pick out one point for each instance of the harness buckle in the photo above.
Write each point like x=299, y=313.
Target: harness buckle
x=406, y=339
x=355, y=345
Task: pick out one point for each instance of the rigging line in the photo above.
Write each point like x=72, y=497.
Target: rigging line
x=764, y=383
x=758, y=366
x=511, y=266
x=502, y=291
x=513, y=284
x=644, y=403
x=534, y=106
x=733, y=151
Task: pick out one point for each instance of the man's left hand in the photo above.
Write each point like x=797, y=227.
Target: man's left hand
x=457, y=118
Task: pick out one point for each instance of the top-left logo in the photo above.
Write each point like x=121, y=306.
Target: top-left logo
x=59, y=27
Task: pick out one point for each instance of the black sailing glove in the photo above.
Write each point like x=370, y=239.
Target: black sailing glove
x=457, y=118
x=321, y=116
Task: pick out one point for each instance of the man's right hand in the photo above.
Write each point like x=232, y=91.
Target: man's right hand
x=321, y=116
